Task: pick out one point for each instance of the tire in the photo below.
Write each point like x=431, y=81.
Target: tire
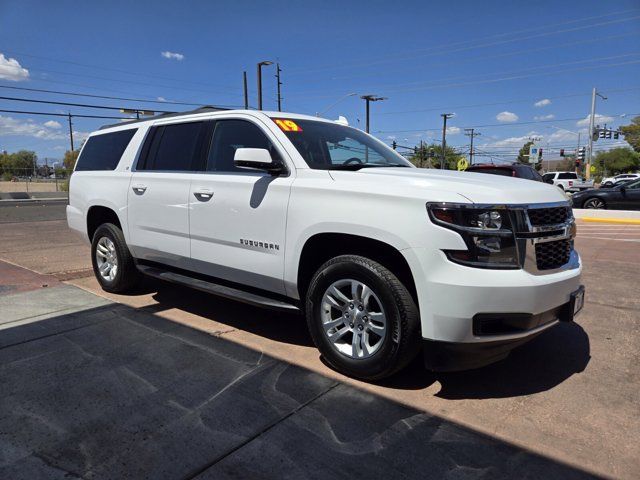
x=126, y=274
x=594, y=203
x=381, y=355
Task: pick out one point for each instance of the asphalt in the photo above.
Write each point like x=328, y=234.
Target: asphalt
x=172, y=383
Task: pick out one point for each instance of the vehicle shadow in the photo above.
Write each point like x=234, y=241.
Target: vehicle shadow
x=280, y=326
x=537, y=366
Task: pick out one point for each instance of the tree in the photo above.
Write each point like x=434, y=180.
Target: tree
x=70, y=159
x=616, y=160
x=524, y=151
x=632, y=133
x=18, y=163
x=430, y=156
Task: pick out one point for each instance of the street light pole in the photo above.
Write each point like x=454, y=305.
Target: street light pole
x=592, y=119
x=367, y=99
x=470, y=132
x=260, y=65
x=443, y=157
x=246, y=90
x=335, y=103
x=70, y=131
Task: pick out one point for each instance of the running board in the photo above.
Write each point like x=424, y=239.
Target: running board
x=216, y=289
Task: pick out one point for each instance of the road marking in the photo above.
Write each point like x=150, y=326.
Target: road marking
x=615, y=239
x=621, y=221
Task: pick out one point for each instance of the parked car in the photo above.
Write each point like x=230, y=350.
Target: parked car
x=623, y=177
x=624, y=196
x=567, y=181
x=301, y=214
x=517, y=170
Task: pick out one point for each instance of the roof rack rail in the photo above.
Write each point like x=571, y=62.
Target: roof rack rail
x=203, y=109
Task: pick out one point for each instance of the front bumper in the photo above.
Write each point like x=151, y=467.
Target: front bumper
x=450, y=356
x=451, y=295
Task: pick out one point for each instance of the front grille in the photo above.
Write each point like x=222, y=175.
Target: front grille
x=550, y=255
x=548, y=216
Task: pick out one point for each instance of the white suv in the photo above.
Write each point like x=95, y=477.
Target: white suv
x=299, y=213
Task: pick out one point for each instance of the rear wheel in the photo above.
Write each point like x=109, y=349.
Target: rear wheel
x=594, y=203
x=362, y=318
x=113, y=264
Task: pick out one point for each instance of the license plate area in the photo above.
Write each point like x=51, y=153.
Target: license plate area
x=575, y=305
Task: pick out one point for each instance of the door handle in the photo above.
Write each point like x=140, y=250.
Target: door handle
x=139, y=189
x=204, y=195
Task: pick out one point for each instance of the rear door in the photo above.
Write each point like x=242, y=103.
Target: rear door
x=631, y=197
x=158, y=199
x=237, y=216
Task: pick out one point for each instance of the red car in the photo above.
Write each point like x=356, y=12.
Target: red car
x=517, y=170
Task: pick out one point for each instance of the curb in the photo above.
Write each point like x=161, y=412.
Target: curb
x=619, y=221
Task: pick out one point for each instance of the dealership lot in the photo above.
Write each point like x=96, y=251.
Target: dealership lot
x=178, y=384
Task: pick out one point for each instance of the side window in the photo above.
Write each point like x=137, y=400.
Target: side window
x=228, y=136
x=567, y=176
x=103, y=152
x=548, y=176
x=174, y=147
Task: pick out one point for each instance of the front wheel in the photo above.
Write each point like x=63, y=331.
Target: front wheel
x=594, y=203
x=362, y=318
x=113, y=264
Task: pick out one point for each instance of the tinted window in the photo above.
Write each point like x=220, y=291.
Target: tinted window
x=567, y=176
x=174, y=147
x=493, y=171
x=103, y=152
x=548, y=176
x=228, y=136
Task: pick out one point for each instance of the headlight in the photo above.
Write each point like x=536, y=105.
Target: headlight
x=487, y=232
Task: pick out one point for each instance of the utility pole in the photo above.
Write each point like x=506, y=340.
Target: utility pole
x=260, y=65
x=279, y=83
x=245, y=90
x=367, y=99
x=587, y=172
x=470, y=132
x=70, y=130
x=443, y=157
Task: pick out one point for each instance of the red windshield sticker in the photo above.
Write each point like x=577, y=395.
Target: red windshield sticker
x=287, y=125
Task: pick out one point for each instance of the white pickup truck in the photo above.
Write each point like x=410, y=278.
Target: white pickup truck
x=298, y=213
x=567, y=181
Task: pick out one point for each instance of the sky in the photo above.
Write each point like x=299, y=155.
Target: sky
x=504, y=68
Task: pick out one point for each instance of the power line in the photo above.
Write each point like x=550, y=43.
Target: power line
x=506, y=102
x=83, y=105
x=66, y=115
x=443, y=49
x=107, y=97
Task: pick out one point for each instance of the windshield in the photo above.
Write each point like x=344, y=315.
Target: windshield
x=329, y=146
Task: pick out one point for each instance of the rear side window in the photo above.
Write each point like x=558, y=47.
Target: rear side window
x=174, y=147
x=494, y=171
x=548, y=176
x=567, y=176
x=103, y=152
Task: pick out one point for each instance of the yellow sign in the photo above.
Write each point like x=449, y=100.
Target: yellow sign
x=593, y=169
x=462, y=164
x=287, y=125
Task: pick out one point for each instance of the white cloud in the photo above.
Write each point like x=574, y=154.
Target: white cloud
x=507, y=117
x=10, y=69
x=453, y=130
x=12, y=127
x=172, y=55
x=551, y=116
x=509, y=142
x=542, y=103
x=391, y=137
x=161, y=99
x=599, y=119
x=52, y=124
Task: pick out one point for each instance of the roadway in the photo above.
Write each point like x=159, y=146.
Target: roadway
x=174, y=383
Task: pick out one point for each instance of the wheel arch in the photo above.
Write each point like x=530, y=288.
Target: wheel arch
x=321, y=247
x=99, y=214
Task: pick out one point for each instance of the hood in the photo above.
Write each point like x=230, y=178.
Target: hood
x=476, y=187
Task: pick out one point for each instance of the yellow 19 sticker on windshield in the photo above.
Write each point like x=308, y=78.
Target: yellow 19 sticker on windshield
x=287, y=125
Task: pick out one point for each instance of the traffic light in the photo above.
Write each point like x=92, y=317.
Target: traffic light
x=394, y=144
x=539, y=154
x=609, y=133
x=562, y=152
x=616, y=135
x=580, y=154
x=602, y=133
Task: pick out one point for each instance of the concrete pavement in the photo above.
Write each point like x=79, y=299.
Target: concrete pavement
x=565, y=404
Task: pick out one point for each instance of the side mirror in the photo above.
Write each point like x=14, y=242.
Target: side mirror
x=256, y=159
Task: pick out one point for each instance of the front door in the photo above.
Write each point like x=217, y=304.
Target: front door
x=158, y=197
x=237, y=216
